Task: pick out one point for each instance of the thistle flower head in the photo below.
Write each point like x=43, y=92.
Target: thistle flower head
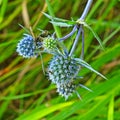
x=49, y=43
x=62, y=69
x=26, y=47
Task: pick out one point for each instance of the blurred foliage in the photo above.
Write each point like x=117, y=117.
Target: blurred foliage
x=25, y=92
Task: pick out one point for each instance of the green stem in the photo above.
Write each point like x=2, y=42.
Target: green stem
x=86, y=10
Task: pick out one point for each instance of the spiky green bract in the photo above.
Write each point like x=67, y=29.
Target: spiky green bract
x=86, y=65
x=62, y=69
x=26, y=47
x=49, y=44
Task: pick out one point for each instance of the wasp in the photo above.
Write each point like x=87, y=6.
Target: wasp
x=43, y=35
x=40, y=38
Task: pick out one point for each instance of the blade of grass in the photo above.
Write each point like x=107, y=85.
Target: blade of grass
x=95, y=110
x=111, y=108
x=101, y=18
x=11, y=17
x=25, y=95
x=93, y=10
x=4, y=105
x=99, y=106
x=3, y=9
x=41, y=113
x=109, y=54
x=104, y=42
x=57, y=30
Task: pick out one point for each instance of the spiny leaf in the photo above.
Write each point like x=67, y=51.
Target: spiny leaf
x=61, y=24
x=95, y=35
x=26, y=30
x=53, y=18
x=59, y=19
x=85, y=64
x=85, y=87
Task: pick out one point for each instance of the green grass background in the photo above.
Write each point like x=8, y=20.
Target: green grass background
x=26, y=93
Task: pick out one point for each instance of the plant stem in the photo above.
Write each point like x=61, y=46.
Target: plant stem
x=85, y=12
x=68, y=35
x=76, y=41
x=81, y=18
x=82, y=52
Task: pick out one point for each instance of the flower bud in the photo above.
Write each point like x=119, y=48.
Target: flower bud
x=49, y=44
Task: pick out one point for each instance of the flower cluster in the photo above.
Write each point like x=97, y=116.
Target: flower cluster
x=29, y=47
x=63, y=69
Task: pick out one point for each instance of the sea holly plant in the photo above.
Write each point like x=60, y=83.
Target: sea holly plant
x=63, y=69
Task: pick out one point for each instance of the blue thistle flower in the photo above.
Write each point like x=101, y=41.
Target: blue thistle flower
x=26, y=47
x=62, y=69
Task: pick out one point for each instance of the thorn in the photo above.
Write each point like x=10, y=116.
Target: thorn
x=53, y=35
x=78, y=95
x=85, y=87
x=77, y=77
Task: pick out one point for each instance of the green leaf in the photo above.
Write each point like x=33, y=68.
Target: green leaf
x=58, y=19
x=95, y=35
x=55, y=19
x=61, y=24
x=85, y=64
